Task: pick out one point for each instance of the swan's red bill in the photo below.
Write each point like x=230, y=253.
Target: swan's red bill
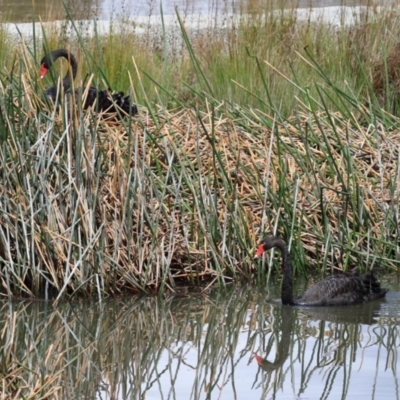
x=43, y=71
x=258, y=359
x=260, y=251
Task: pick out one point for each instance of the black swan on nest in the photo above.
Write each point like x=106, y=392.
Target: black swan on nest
x=335, y=290
x=102, y=100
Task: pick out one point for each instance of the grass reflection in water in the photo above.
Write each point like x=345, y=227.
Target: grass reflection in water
x=198, y=347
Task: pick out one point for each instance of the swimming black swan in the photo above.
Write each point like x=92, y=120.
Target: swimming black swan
x=102, y=99
x=335, y=290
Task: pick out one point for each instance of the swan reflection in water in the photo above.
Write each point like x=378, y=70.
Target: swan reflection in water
x=303, y=344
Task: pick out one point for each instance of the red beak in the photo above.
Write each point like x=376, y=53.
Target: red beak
x=258, y=359
x=260, y=251
x=43, y=71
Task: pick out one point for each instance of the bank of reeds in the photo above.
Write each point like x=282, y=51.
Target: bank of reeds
x=181, y=196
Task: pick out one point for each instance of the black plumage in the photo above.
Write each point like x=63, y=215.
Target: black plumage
x=335, y=290
x=100, y=100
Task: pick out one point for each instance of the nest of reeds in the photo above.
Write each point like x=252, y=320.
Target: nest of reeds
x=97, y=207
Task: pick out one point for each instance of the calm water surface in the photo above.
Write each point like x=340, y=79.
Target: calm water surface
x=25, y=10
x=203, y=347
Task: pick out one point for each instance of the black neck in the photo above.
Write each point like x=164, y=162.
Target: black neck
x=287, y=290
x=49, y=59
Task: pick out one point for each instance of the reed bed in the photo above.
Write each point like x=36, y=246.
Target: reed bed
x=179, y=197
x=100, y=207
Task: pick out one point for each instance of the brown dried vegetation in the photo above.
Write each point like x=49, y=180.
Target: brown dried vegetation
x=103, y=208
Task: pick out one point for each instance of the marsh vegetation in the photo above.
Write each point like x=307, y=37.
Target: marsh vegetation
x=270, y=124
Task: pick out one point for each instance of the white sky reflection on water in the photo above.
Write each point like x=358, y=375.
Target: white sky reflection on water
x=364, y=374
x=327, y=360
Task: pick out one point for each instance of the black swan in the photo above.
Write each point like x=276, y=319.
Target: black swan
x=335, y=290
x=102, y=99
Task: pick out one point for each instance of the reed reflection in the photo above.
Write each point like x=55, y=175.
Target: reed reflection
x=197, y=348
x=323, y=352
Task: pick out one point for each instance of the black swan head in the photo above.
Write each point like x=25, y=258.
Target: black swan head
x=268, y=243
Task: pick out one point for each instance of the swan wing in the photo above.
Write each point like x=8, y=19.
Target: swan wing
x=342, y=289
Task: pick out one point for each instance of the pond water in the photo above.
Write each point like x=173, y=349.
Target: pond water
x=237, y=344
x=48, y=10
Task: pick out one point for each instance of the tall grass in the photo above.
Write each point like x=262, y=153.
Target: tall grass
x=159, y=65
x=176, y=196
